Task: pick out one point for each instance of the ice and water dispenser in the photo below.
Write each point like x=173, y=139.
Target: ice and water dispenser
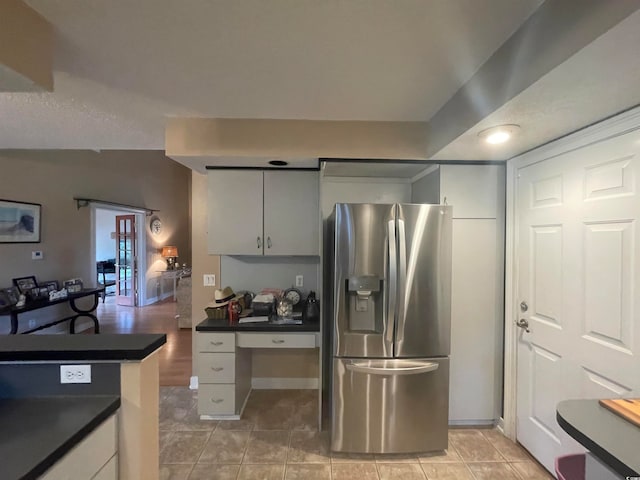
x=364, y=293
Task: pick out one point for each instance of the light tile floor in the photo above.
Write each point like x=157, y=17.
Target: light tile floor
x=277, y=439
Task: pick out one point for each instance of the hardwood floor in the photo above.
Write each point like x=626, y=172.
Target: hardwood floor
x=175, y=356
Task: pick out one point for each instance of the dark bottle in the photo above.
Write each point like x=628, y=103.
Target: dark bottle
x=311, y=312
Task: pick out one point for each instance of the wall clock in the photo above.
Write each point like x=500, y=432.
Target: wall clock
x=156, y=226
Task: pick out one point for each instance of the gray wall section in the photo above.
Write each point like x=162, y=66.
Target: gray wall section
x=552, y=34
x=53, y=178
x=256, y=273
x=19, y=380
x=427, y=188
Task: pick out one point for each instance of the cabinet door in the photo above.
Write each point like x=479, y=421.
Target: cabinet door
x=476, y=322
x=235, y=212
x=291, y=213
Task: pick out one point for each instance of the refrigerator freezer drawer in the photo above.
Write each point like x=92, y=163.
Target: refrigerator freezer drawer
x=390, y=405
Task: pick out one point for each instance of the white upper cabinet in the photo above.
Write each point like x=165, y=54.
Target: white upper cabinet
x=291, y=213
x=263, y=213
x=474, y=191
x=235, y=212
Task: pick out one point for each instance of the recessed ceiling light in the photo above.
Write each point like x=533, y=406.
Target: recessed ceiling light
x=278, y=163
x=499, y=134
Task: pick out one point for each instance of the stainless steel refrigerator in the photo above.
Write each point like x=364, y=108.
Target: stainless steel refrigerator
x=389, y=323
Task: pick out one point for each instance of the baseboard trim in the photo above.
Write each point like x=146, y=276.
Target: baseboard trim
x=472, y=423
x=276, y=383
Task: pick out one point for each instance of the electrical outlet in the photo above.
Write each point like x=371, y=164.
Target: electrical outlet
x=37, y=255
x=75, y=373
x=209, y=280
x=299, y=281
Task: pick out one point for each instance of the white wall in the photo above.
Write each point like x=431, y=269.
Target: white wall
x=362, y=190
x=105, y=242
x=256, y=273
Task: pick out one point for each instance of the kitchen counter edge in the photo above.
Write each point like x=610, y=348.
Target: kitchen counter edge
x=605, y=434
x=103, y=407
x=210, y=325
x=63, y=347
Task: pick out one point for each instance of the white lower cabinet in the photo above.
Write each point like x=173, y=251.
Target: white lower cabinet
x=94, y=458
x=217, y=399
x=224, y=375
x=224, y=367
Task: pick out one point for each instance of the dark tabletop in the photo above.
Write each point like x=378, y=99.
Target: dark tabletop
x=210, y=325
x=611, y=438
x=37, y=304
x=37, y=432
x=79, y=347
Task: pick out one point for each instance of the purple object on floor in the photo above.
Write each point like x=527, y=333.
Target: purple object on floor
x=571, y=467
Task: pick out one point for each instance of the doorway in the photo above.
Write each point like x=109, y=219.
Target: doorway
x=572, y=328
x=118, y=254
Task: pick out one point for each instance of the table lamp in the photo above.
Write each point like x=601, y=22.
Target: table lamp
x=170, y=253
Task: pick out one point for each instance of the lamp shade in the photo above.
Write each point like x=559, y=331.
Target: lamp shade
x=169, y=251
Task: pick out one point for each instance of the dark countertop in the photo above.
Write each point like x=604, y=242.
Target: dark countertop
x=79, y=347
x=606, y=435
x=210, y=325
x=37, y=432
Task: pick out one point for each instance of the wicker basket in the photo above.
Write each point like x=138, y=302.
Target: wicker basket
x=219, y=313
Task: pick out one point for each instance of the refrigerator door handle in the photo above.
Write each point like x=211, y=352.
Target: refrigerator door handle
x=402, y=280
x=393, y=367
x=393, y=279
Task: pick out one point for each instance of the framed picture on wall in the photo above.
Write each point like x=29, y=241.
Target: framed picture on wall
x=19, y=222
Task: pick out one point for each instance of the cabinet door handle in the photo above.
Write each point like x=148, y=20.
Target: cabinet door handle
x=259, y=243
x=216, y=344
x=217, y=369
x=268, y=242
x=277, y=340
x=217, y=400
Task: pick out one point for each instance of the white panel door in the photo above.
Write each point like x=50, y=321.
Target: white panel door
x=235, y=212
x=291, y=213
x=579, y=275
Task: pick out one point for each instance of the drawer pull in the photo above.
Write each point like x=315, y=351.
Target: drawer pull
x=217, y=344
x=217, y=400
x=217, y=369
x=277, y=340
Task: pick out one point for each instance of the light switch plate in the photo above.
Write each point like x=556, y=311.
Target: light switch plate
x=299, y=281
x=209, y=280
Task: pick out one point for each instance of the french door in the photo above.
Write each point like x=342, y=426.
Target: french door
x=578, y=286
x=126, y=256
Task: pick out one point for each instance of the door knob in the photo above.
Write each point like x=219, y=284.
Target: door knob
x=524, y=324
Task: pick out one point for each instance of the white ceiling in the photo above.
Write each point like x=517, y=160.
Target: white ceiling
x=122, y=66
x=600, y=80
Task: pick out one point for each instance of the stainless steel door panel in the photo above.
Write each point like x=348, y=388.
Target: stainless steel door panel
x=424, y=281
x=361, y=249
x=390, y=406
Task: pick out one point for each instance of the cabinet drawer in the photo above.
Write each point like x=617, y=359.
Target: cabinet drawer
x=89, y=456
x=216, y=399
x=216, y=367
x=216, y=342
x=276, y=340
x=109, y=471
